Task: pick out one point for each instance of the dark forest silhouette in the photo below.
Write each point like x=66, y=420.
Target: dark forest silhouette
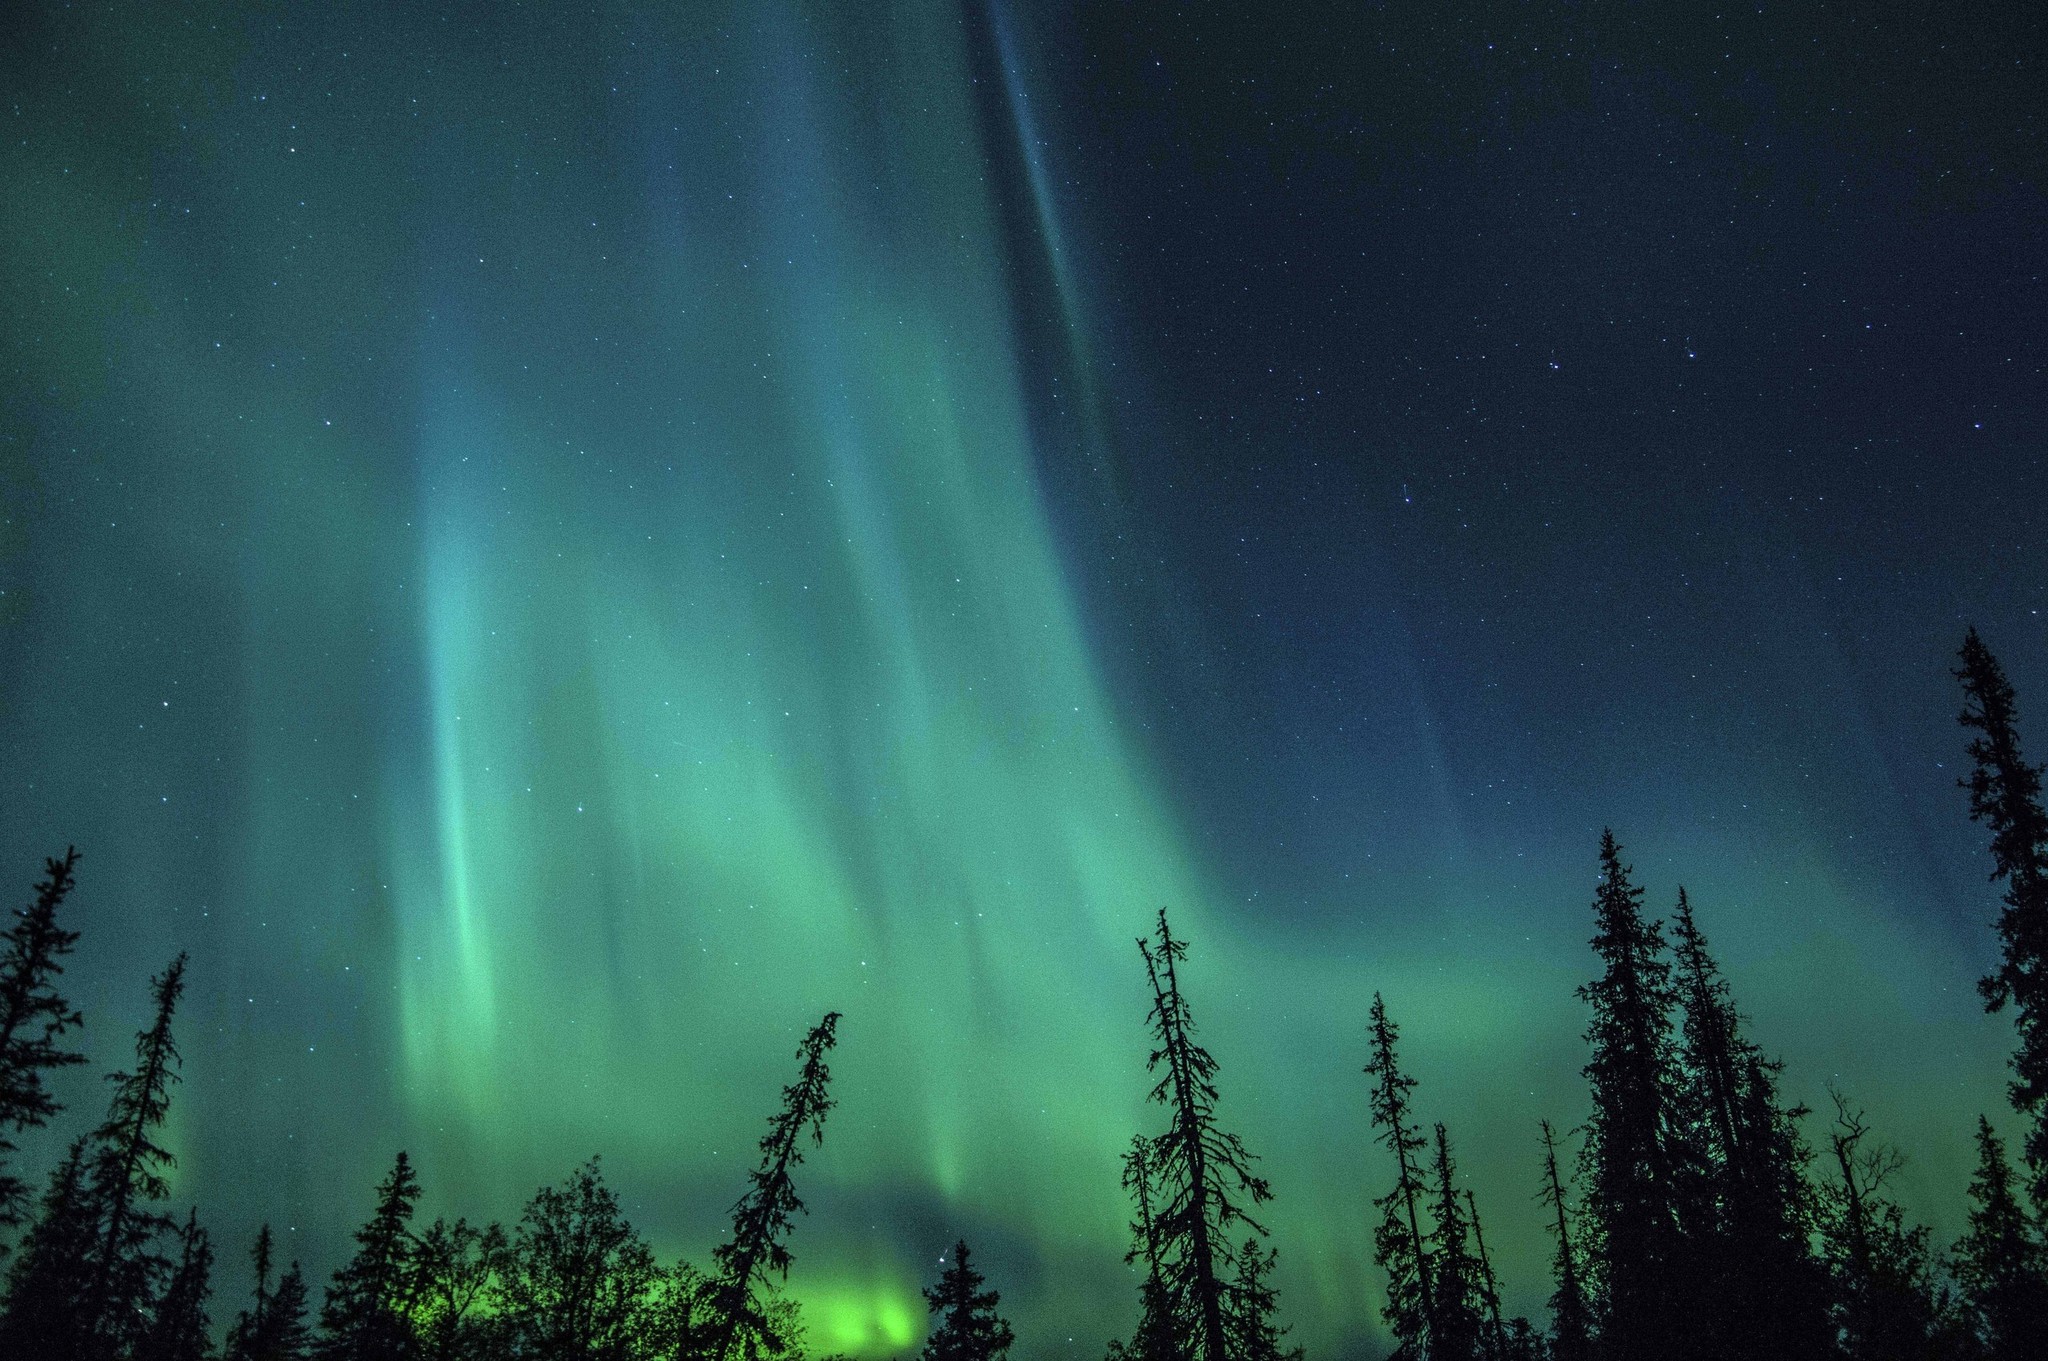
x=1697, y=1219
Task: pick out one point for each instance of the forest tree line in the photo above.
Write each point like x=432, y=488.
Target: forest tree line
x=1694, y=1220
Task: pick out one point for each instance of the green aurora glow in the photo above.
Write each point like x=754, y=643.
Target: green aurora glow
x=583, y=594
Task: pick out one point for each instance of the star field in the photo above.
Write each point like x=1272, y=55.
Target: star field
x=549, y=547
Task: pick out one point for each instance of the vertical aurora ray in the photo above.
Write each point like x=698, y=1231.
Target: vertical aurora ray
x=547, y=553
x=1037, y=174
x=794, y=712
x=763, y=691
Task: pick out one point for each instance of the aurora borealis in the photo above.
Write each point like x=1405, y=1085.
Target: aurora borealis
x=549, y=547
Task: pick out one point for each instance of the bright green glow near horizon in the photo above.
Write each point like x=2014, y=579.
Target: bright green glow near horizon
x=770, y=697
x=797, y=715
x=542, y=628
x=794, y=713
x=846, y=1319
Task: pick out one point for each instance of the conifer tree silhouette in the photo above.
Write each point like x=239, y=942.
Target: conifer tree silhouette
x=2001, y=1263
x=1203, y=1173
x=1459, y=1326
x=1747, y=1206
x=1252, y=1304
x=180, y=1329
x=33, y=1019
x=1398, y=1244
x=285, y=1334
x=2005, y=794
x=1702, y=1128
x=1630, y=1206
x=739, y=1317
x=249, y=1322
x=126, y=1172
x=1494, y=1332
x=1154, y=1339
x=48, y=1309
x=364, y=1315
x=1144, y=1230
x=1571, y=1318
x=969, y=1328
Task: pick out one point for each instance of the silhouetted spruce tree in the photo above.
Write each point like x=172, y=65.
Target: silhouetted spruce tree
x=578, y=1279
x=48, y=1309
x=1712, y=1045
x=1398, y=1244
x=126, y=1172
x=180, y=1330
x=739, y=1316
x=1253, y=1305
x=1700, y=1132
x=454, y=1267
x=1888, y=1304
x=1154, y=1339
x=33, y=1019
x=1494, y=1332
x=2005, y=794
x=1204, y=1174
x=2001, y=1263
x=969, y=1328
x=1571, y=1316
x=1630, y=1207
x=364, y=1315
x=249, y=1320
x=287, y=1334
x=1748, y=1207
x=1460, y=1311
x=276, y=1329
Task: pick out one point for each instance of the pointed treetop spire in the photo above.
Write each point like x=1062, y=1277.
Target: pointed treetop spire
x=2005, y=795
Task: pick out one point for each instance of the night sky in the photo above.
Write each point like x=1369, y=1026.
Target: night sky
x=550, y=547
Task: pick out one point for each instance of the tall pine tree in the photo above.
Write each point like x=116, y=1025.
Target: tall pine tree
x=249, y=1320
x=1204, y=1174
x=283, y=1333
x=968, y=1328
x=742, y=1321
x=33, y=1019
x=48, y=1308
x=1398, y=1244
x=1495, y=1331
x=1154, y=1339
x=288, y=1336
x=1571, y=1315
x=2001, y=1263
x=1460, y=1309
x=180, y=1329
x=1631, y=1201
x=2005, y=794
x=274, y=1327
x=127, y=1179
x=364, y=1316
x=1746, y=1205
x=1253, y=1304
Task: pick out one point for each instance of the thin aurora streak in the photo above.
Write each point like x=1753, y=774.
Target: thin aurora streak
x=548, y=555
